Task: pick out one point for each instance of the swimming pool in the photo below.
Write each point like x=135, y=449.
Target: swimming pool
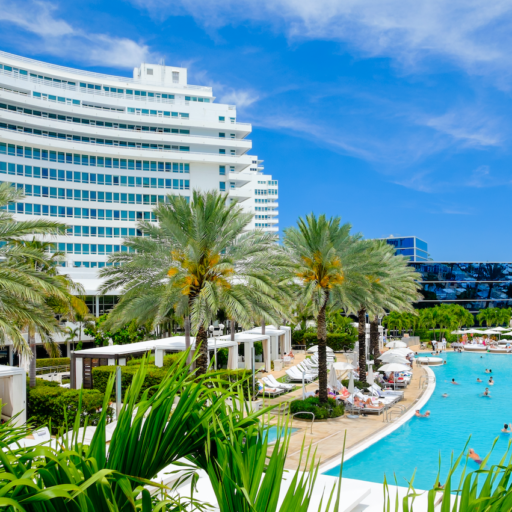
x=464, y=413
x=272, y=433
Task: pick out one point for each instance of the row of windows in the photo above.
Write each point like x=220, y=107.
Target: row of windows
x=223, y=152
x=102, y=232
x=79, y=213
x=263, y=201
x=270, y=192
x=92, y=264
x=87, y=160
x=260, y=225
x=94, y=122
x=262, y=217
x=264, y=208
x=101, y=249
x=92, y=140
x=100, y=197
x=130, y=93
x=85, y=177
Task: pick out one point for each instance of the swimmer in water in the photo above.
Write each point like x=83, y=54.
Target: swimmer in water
x=419, y=415
x=487, y=392
x=456, y=383
x=445, y=395
x=491, y=382
x=474, y=456
x=488, y=370
x=506, y=429
x=479, y=380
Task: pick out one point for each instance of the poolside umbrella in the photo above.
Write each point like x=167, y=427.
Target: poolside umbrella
x=396, y=344
x=394, y=367
x=395, y=359
x=351, y=387
x=398, y=351
x=370, y=377
x=315, y=349
x=501, y=328
x=342, y=366
x=332, y=381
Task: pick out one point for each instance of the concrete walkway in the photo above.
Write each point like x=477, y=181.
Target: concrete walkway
x=329, y=435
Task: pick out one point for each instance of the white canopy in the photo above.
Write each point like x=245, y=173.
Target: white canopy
x=501, y=328
x=491, y=331
x=401, y=351
x=394, y=367
x=396, y=344
x=343, y=366
x=315, y=349
x=394, y=358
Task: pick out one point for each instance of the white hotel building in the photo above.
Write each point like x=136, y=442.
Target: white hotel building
x=98, y=152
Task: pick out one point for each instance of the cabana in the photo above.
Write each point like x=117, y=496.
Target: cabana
x=83, y=361
x=13, y=384
x=248, y=338
x=278, y=341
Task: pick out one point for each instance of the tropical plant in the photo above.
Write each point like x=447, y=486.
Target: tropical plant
x=325, y=258
x=124, y=335
x=393, y=321
x=197, y=260
x=72, y=335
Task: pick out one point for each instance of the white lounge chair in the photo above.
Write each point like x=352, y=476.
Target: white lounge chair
x=306, y=368
x=276, y=384
x=269, y=390
x=294, y=375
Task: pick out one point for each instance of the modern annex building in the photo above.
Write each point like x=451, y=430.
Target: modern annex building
x=99, y=152
x=474, y=286
x=411, y=247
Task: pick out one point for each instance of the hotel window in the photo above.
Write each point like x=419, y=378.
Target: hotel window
x=175, y=77
x=222, y=135
x=222, y=186
x=222, y=119
x=222, y=151
x=222, y=170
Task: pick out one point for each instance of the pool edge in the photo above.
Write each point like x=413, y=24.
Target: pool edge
x=382, y=433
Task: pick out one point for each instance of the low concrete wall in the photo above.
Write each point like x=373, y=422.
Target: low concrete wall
x=411, y=340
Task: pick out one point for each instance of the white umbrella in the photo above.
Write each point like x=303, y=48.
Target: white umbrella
x=396, y=344
x=395, y=359
x=332, y=381
x=343, y=366
x=315, y=349
x=351, y=386
x=370, y=377
x=491, y=331
x=501, y=328
x=394, y=367
x=400, y=351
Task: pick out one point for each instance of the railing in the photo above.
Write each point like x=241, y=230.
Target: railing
x=305, y=412
x=393, y=413
x=53, y=369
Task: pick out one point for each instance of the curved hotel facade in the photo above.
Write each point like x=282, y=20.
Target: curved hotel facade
x=98, y=152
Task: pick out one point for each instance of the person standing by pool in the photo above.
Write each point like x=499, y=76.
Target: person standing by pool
x=474, y=456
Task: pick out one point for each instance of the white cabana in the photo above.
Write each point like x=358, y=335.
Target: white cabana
x=285, y=344
x=13, y=384
x=277, y=339
x=248, y=339
x=396, y=344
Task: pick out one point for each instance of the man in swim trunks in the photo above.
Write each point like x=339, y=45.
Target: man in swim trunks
x=474, y=456
x=491, y=382
x=506, y=429
x=479, y=380
x=456, y=383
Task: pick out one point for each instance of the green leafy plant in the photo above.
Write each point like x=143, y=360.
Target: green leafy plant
x=321, y=410
x=339, y=342
x=124, y=335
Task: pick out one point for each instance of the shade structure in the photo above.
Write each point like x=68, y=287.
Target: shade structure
x=394, y=367
x=395, y=359
x=370, y=377
x=491, y=331
x=315, y=349
x=501, y=329
x=398, y=351
x=332, y=381
x=341, y=366
x=396, y=344
x=351, y=386
x=459, y=332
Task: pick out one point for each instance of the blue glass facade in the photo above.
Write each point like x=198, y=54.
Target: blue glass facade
x=474, y=286
x=409, y=246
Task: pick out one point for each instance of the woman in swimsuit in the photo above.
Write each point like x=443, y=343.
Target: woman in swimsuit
x=491, y=382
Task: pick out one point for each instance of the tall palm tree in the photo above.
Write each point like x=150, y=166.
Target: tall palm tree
x=393, y=321
x=197, y=260
x=326, y=259
x=25, y=284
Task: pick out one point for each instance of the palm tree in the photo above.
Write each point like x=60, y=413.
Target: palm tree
x=72, y=335
x=326, y=258
x=26, y=284
x=393, y=321
x=504, y=316
x=199, y=259
x=427, y=319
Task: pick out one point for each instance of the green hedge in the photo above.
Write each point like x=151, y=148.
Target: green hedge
x=427, y=335
x=337, y=341
x=357, y=383
x=48, y=401
x=52, y=361
x=321, y=411
x=169, y=360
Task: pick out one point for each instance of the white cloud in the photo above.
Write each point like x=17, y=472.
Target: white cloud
x=57, y=37
x=475, y=34
x=242, y=99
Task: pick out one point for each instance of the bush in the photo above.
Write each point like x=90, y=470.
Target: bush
x=169, y=360
x=338, y=341
x=45, y=403
x=331, y=409
x=357, y=383
x=52, y=361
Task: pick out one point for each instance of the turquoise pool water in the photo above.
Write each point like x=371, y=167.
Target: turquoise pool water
x=418, y=443
x=272, y=434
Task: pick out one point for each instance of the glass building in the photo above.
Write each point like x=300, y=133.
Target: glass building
x=410, y=246
x=474, y=286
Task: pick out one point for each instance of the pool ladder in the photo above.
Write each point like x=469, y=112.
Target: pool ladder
x=393, y=413
x=305, y=412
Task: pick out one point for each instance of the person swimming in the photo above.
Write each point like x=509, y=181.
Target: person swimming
x=487, y=392
x=478, y=379
x=453, y=382
x=445, y=395
x=474, y=456
x=506, y=429
x=419, y=415
x=491, y=382
x=488, y=370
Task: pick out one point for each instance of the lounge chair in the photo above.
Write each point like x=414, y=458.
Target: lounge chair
x=306, y=368
x=269, y=390
x=294, y=375
x=351, y=407
x=374, y=388
x=276, y=384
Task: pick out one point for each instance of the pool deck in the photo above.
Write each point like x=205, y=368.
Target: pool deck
x=329, y=435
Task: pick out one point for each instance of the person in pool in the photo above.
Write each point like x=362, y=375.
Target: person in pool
x=419, y=415
x=506, y=429
x=487, y=392
x=474, y=456
x=488, y=371
x=456, y=383
x=491, y=382
x=478, y=379
x=445, y=395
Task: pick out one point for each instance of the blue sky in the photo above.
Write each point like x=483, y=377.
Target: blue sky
x=394, y=115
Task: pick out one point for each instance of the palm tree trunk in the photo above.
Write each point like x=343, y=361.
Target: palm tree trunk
x=232, y=329
x=322, y=350
x=374, y=340
x=202, y=347
x=361, y=316
x=32, y=366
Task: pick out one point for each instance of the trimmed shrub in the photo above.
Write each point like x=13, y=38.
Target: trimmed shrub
x=45, y=403
x=169, y=360
x=357, y=383
x=331, y=409
x=52, y=361
x=338, y=341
